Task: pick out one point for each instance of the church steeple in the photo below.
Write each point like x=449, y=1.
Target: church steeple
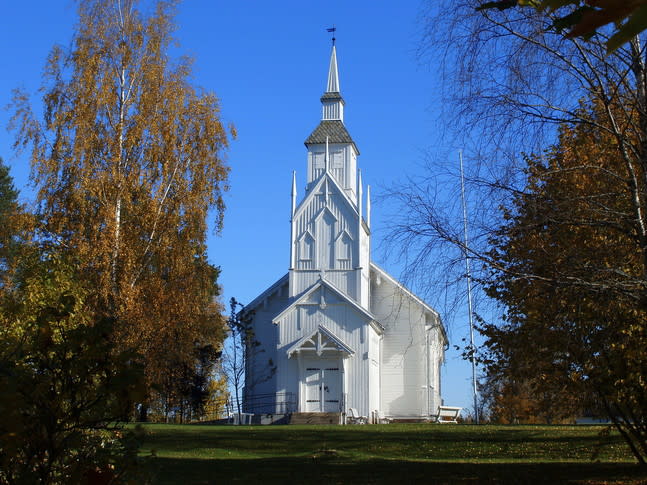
x=330, y=146
x=329, y=233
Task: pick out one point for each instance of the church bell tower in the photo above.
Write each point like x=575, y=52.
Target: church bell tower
x=330, y=238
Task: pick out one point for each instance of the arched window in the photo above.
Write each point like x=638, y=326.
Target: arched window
x=306, y=251
x=326, y=237
x=344, y=251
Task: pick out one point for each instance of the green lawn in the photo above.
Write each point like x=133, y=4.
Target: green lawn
x=394, y=453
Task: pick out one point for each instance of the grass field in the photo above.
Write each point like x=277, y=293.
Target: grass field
x=393, y=453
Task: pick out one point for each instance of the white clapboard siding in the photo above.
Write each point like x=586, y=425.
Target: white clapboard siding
x=260, y=379
x=403, y=383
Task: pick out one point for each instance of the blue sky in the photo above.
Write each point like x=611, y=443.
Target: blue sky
x=267, y=62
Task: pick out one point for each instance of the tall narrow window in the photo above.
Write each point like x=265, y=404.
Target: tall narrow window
x=306, y=251
x=344, y=251
x=318, y=164
x=337, y=166
x=326, y=238
x=319, y=159
x=337, y=159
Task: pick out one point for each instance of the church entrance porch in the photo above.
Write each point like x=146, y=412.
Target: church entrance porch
x=320, y=375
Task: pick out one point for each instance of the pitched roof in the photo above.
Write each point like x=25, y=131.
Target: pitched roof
x=334, y=130
x=316, y=189
x=343, y=296
x=268, y=292
x=374, y=267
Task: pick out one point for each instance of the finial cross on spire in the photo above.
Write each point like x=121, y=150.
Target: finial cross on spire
x=332, y=30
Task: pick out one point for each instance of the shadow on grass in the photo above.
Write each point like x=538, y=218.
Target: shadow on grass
x=331, y=469
x=540, y=444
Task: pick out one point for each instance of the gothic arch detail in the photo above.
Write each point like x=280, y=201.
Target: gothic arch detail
x=344, y=251
x=306, y=251
x=325, y=227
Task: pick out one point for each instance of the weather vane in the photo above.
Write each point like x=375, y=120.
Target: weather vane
x=332, y=29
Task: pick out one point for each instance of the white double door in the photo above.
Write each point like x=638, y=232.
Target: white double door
x=322, y=379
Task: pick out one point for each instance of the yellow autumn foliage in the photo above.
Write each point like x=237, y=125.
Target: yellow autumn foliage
x=129, y=160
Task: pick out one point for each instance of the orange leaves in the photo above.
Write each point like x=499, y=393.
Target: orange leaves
x=130, y=161
x=574, y=267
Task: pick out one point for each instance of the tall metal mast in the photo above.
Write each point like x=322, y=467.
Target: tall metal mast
x=468, y=274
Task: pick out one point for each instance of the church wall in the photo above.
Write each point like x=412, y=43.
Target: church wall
x=302, y=280
x=260, y=379
x=364, y=264
x=435, y=361
x=343, y=279
x=374, y=357
x=403, y=358
x=351, y=171
x=340, y=279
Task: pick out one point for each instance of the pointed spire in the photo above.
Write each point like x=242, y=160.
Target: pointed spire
x=294, y=191
x=359, y=195
x=333, y=104
x=326, y=160
x=368, y=206
x=292, y=234
x=333, y=73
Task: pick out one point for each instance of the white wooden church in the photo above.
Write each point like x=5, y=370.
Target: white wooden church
x=337, y=332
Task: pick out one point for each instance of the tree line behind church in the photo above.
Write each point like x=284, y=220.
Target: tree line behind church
x=110, y=307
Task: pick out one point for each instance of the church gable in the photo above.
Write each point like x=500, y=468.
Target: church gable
x=320, y=297
x=326, y=226
x=276, y=294
x=392, y=303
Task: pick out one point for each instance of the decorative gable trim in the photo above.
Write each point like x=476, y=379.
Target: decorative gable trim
x=322, y=212
x=320, y=341
x=317, y=187
x=322, y=283
x=342, y=233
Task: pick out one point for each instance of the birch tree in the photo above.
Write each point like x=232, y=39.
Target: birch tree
x=514, y=83
x=128, y=161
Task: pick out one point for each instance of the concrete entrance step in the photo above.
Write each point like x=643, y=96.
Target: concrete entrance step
x=315, y=418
